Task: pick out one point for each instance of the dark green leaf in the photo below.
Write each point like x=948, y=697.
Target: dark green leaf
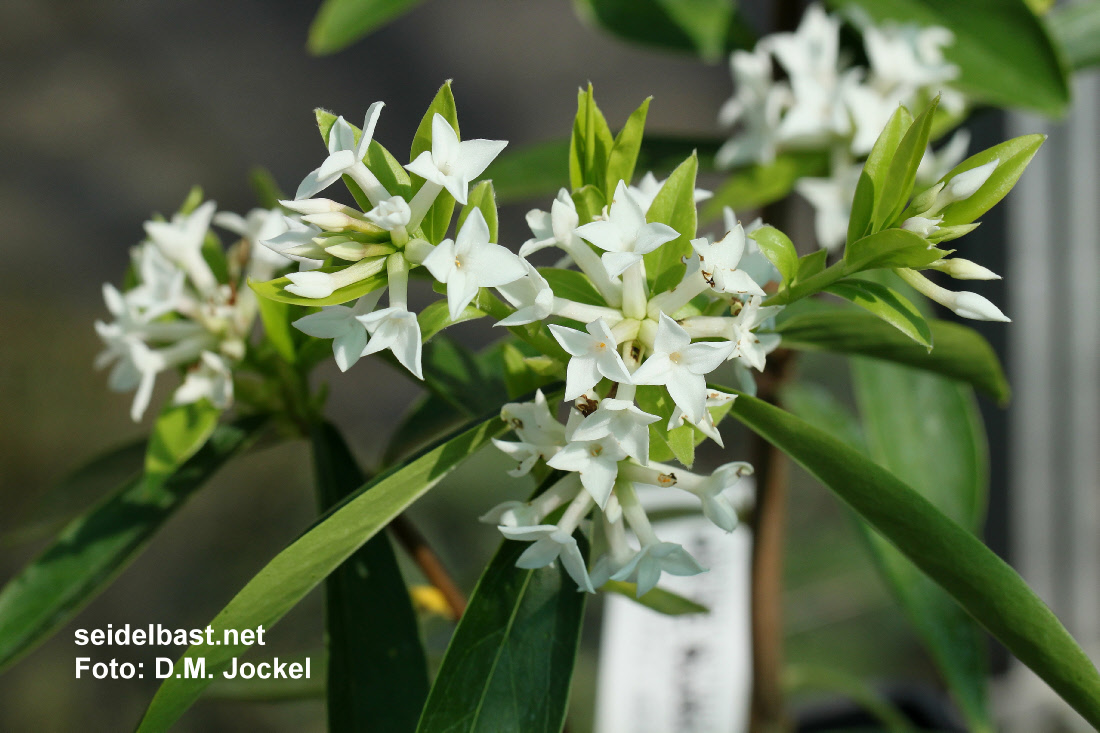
x=377, y=676
x=673, y=205
x=927, y=431
x=95, y=547
x=510, y=661
x=572, y=285
x=991, y=591
x=295, y=571
x=340, y=23
x=812, y=264
x=180, y=430
x=709, y=28
x=268, y=193
x=887, y=305
x=958, y=352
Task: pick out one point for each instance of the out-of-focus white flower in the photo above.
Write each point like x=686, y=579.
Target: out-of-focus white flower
x=211, y=379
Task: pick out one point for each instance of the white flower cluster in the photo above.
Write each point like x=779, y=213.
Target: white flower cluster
x=826, y=104
x=638, y=339
x=178, y=314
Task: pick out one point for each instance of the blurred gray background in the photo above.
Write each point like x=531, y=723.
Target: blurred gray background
x=111, y=111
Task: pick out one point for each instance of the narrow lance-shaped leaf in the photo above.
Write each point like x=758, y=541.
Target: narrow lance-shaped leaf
x=482, y=197
x=991, y=591
x=180, y=430
x=377, y=676
x=510, y=661
x=958, y=351
x=95, y=547
x=438, y=219
x=673, y=205
x=624, y=152
x=295, y=571
x=888, y=305
x=340, y=23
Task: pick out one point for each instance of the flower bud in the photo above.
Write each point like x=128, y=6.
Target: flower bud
x=961, y=269
x=311, y=284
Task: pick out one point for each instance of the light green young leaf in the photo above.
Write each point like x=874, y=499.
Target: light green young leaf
x=624, y=151
x=438, y=219
x=678, y=443
x=888, y=305
x=437, y=316
x=97, y=546
x=660, y=600
x=1014, y=155
x=875, y=174
x=180, y=431
x=779, y=250
x=590, y=145
x=340, y=23
x=991, y=591
x=481, y=197
x=959, y=352
x=1004, y=54
x=890, y=248
x=295, y=571
x=276, y=289
x=509, y=664
x=572, y=285
x=812, y=264
x=590, y=203
x=376, y=672
x=897, y=187
x=674, y=205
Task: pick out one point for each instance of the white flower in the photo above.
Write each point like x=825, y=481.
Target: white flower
x=714, y=493
x=624, y=422
x=653, y=559
x=554, y=228
x=551, y=543
x=908, y=55
x=682, y=366
x=753, y=262
x=597, y=461
x=160, y=288
x=257, y=225
x=393, y=213
x=936, y=165
x=832, y=201
x=625, y=236
x=749, y=347
x=181, y=240
x=135, y=366
x=540, y=434
x=720, y=261
x=298, y=242
x=470, y=262
x=706, y=425
x=593, y=355
x=530, y=295
x=453, y=164
x=648, y=188
x=397, y=329
x=757, y=106
x=346, y=157
x=211, y=379
x=341, y=324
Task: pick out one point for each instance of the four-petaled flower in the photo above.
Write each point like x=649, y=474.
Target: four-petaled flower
x=624, y=235
x=345, y=156
x=470, y=262
x=396, y=329
x=453, y=164
x=720, y=261
x=593, y=356
x=341, y=324
x=597, y=461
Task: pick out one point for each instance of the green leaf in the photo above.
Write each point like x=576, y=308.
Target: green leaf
x=709, y=28
x=1014, y=155
x=481, y=197
x=660, y=600
x=673, y=205
x=509, y=664
x=180, y=431
x=890, y=248
x=377, y=675
x=591, y=143
x=888, y=305
x=437, y=316
x=572, y=285
x=277, y=318
x=875, y=175
x=678, y=443
x=761, y=184
x=1004, y=54
x=457, y=375
x=95, y=547
x=589, y=201
x=268, y=193
x=926, y=430
x=991, y=591
x=958, y=351
x=777, y=247
x=897, y=187
x=624, y=152
x=295, y=571
x=1076, y=28
x=812, y=264
x=340, y=23
x=276, y=289
x=438, y=219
